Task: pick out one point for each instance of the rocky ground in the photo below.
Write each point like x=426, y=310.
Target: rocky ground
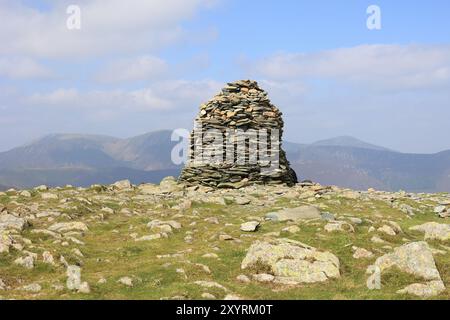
x=170, y=241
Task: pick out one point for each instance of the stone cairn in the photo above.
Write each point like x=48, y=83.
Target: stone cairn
x=240, y=106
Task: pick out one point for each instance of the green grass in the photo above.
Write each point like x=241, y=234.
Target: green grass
x=111, y=253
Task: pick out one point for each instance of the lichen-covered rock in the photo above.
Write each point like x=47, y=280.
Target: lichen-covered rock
x=425, y=290
x=414, y=258
x=291, y=261
x=434, y=230
x=340, y=226
x=295, y=214
x=6, y=242
x=26, y=262
x=122, y=185
x=73, y=277
x=361, y=253
x=249, y=226
x=8, y=221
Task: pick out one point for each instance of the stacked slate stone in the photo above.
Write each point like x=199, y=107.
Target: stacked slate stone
x=241, y=105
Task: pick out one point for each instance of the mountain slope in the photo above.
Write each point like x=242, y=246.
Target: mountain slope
x=344, y=161
x=61, y=151
x=346, y=141
x=360, y=168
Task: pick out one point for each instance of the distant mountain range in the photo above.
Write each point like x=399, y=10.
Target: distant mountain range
x=82, y=160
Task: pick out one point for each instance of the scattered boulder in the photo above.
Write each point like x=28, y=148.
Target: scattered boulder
x=387, y=230
x=63, y=227
x=263, y=277
x=126, y=281
x=122, y=185
x=243, y=278
x=434, y=230
x=73, y=277
x=49, y=196
x=291, y=261
x=149, y=237
x=295, y=214
x=208, y=296
x=2, y=285
x=242, y=201
x=25, y=194
x=361, y=253
x=27, y=262
x=250, y=226
x=211, y=284
x=157, y=223
x=414, y=258
x=341, y=226
x=8, y=221
x=6, y=241
x=34, y=288
x=41, y=188
x=425, y=290
x=47, y=257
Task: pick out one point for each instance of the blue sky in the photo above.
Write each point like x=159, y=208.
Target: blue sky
x=139, y=66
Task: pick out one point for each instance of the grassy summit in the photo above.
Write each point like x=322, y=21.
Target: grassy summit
x=170, y=242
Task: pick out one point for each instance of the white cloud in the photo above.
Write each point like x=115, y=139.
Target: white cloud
x=113, y=26
x=379, y=66
x=23, y=68
x=165, y=95
x=141, y=68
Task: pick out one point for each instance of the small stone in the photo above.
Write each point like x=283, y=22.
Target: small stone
x=361, y=253
x=225, y=237
x=149, y=237
x=232, y=297
x=84, y=288
x=208, y=296
x=73, y=277
x=212, y=220
x=328, y=216
x=26, y=262
x=127, y=281
x=49, y=196
x=376, y=239
x=34, y=287
x=68, y=226
x=242, y=201
x=211, y=284
x=47, y=257
x=2, y=285
x=250, y=226
x=263, y=277
x=341, y=226
x=355, y=220
x=25, y=194
x=122, y=185
x=41, y=188
x=295, y=214
x=387, y=230
x=243, y=278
